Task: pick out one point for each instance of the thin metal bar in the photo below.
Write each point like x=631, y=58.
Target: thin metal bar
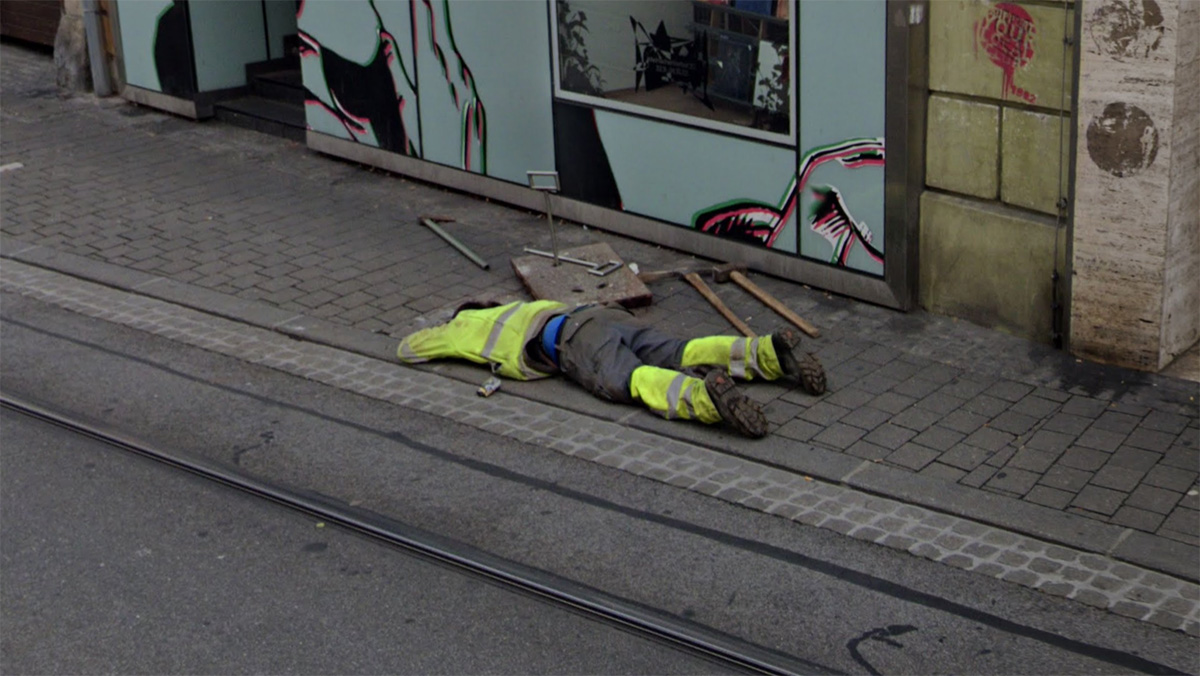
x=455, y=243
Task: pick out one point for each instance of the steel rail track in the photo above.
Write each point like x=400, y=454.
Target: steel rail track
x=650, y=623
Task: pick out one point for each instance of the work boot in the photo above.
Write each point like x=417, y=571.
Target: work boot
x=801, y=366
x=736, y=409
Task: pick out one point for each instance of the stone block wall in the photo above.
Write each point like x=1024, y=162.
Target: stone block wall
x=1136, y=240
x=997, y=161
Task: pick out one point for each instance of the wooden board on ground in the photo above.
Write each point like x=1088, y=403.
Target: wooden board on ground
x=571, y=283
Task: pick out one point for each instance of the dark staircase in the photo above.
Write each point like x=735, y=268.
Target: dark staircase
x=273, y=102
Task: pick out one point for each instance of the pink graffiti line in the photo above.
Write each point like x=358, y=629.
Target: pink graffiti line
x=762, y=223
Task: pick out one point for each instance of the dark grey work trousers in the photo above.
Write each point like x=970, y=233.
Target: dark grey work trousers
x=600, y=347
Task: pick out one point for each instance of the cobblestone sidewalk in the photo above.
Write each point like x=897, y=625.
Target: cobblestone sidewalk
x=922, y=409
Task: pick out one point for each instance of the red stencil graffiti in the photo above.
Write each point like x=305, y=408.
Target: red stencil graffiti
x=1006, y=34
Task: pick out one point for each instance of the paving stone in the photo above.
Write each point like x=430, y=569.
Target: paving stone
x=1032, y=460
x=1091, y=597
x=1053, y=442
x=965, y=387
x=1162, y=421
x=1100, y=439
x=1035, y=406
x=892, y=402
x=989, y=439
x=939, y=373
x=939, y=403
x=1066, y=423
x=1016, y=481
x=1186, y=521
x=950, y=541
x=1013, y=422
x=824, y=413
x=1171, y=478
x=914, y=418
x=938, y=438
x=1085, y=407
x=990, y=569
x=867, y=451
x=1022, y=577
x=959, y=561
x=799, y=430
x=1050, y=497
x=1044, y=566
x=1099, y=500
x=964, y=457
x=913, y=457
x=916, y=387
x=986, y=405
x=1053, y=395
x=866, y=418
x=937, y=470
x=1057, y=588
x=1095, y=562
x=1150, y=440
x=1108, y=583
x=1134, y=458
x=890, y=436
x=838, y=436
x=850, y=397
x=1086, y=459
x=963, y=421
x=1119, y=423
x=1009, y=390
x=978, y=476
x=1166, y=620
x=1065, y=478
x=1118, y=478
x=1128, y=408
x=1130, y=609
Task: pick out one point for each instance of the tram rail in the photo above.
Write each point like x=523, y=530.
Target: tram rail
x=649, y=623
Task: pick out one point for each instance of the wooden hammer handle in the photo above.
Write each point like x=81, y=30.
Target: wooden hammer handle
x=774, y=304
x=694, y=279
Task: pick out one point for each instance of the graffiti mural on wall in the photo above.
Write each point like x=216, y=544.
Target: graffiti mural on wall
x=759, y=223
x=376, y=101
x=173, y=51
x=1006, y=34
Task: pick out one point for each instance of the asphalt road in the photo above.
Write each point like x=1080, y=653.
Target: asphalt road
x=839, y=604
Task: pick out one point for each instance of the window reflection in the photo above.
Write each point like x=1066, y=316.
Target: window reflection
x=724, y=61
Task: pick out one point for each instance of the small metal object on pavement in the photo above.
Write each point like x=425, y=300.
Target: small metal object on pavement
x=462, y=248
x=547, y=187
x=489, y=387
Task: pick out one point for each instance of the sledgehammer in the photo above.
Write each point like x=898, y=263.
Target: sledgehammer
x=723, y=273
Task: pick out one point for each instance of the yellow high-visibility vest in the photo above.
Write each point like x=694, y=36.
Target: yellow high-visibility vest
x=495, y=336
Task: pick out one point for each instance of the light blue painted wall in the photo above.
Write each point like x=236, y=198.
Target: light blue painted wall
x=138, y=25
x=226, y=35
x=671, y=172
x=842, y=76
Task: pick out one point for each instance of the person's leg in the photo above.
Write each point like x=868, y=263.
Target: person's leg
x=769, y=357
x=597, y=356
x=746, y=358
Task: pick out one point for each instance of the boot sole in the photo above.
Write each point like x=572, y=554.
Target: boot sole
x=734, y=407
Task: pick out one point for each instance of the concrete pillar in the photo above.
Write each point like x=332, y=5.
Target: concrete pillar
x=71, y=63
x=1135, y=294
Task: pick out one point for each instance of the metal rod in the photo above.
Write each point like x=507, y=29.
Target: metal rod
x=455, y=243
x=553, y=232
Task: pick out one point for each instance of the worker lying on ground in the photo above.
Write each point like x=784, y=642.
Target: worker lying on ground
x=600, y=348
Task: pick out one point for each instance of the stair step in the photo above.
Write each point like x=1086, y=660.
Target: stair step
x=264, y=115
x=281, y=85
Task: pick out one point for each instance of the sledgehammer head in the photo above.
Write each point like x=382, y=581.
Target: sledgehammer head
x=721, y=273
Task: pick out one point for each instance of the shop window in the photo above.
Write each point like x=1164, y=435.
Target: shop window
x=721, y=64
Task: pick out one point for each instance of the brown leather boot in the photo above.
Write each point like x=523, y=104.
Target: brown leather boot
x=736, y=409
x=801, y=366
